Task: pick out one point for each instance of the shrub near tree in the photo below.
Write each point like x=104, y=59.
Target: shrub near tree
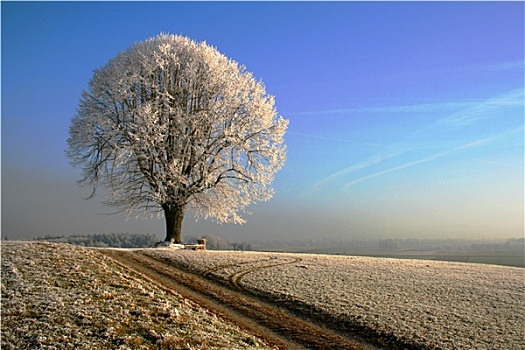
x=170, y=125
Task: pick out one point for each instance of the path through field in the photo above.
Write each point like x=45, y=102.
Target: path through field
x=67, y=297
x=274, y=324
x=388, y=303
x=60, y=296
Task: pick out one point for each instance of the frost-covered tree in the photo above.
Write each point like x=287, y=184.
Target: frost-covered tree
x=171, y=125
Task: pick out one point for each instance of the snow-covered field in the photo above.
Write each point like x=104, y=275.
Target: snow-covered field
x=57, y=296
x=439, y=305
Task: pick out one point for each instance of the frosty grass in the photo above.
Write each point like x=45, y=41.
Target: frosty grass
x=58, y=296
x=440, y=305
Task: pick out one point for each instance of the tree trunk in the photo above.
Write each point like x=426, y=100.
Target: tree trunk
x=174, y=215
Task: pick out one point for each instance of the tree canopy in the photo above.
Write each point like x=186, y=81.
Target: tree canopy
x=171, y=124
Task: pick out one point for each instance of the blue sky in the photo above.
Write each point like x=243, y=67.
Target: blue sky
x=406, y=118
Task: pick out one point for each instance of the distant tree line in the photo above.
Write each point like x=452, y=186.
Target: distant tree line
x=114, y=240
x=512, y=244
x=459, y=245
x=140, y=240
x=145, y=240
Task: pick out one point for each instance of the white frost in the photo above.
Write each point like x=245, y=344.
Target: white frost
x=440, y=305
x=173, y=122
x=57, y=296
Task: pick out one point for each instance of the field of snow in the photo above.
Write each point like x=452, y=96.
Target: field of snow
x=57, y=296
x=437, y=305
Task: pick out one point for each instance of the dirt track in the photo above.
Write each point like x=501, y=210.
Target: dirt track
x=262, y=318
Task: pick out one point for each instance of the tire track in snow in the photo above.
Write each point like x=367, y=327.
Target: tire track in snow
x=273, y=324
x=238, y=264
x=235, y=278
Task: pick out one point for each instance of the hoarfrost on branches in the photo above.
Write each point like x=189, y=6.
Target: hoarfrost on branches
x=171, y=124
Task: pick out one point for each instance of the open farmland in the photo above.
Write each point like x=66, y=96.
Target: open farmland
x=58, y=296
x=423, y=304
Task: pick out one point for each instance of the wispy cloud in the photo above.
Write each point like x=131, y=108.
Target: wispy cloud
x=347, y=171
x=513, y=98
x=414, y=108
x=333, y=139
x=433, y=157
x=471, y=106
x=504, y=66
x=453, y=125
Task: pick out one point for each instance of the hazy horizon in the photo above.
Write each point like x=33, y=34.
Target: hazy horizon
x=406, y=118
